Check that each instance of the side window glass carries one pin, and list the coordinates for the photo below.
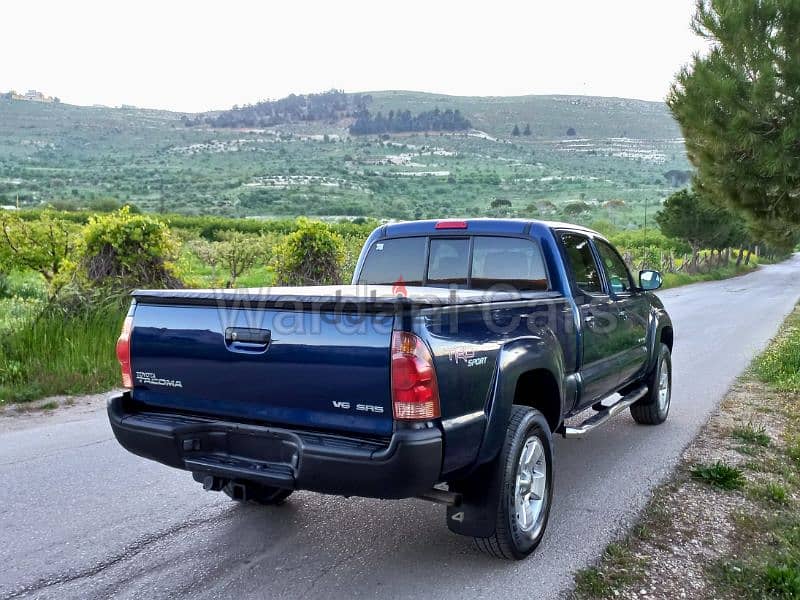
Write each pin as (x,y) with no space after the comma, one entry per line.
(619,278)
(582,262)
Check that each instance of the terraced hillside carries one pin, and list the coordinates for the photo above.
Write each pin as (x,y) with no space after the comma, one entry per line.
(585,158)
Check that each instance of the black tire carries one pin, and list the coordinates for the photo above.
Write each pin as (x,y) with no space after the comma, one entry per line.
(240,491)
(653,409)
(511,540)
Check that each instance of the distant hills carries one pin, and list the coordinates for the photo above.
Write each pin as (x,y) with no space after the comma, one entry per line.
(385,154)
(549,116)
(542,117)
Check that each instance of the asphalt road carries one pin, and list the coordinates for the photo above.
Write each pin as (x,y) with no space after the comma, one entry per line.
(81,518)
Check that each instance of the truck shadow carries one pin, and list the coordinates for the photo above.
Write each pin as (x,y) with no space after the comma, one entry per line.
(315,544)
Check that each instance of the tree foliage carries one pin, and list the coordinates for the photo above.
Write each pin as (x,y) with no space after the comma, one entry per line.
(42,245)
(739,109)
(687,216)
(403,121)
(326,106)
(312,255)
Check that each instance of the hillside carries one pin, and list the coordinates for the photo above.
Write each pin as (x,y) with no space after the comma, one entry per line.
(614,162)
(548,116)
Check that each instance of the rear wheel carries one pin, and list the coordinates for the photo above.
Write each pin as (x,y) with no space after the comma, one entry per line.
(252,492)
(527,487)
(654,407)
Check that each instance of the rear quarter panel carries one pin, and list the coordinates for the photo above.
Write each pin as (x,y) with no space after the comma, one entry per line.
(479,353)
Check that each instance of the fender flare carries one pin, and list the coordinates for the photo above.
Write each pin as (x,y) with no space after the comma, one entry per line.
(659,319)
(540,352)
(481,490)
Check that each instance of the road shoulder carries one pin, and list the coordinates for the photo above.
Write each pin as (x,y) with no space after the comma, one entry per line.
(727,523)
(48,411)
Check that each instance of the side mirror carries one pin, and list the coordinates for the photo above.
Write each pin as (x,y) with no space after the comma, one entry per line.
(650,280)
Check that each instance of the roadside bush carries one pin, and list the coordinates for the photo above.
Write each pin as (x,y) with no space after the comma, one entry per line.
(312,255)
(123,250)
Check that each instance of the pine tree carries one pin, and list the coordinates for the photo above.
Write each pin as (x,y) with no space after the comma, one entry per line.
(527,130)
(515,131)
(739,109)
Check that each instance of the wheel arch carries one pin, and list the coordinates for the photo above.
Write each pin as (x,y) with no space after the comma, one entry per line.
(667,336)
(660,331)
(539,389)
(523,366)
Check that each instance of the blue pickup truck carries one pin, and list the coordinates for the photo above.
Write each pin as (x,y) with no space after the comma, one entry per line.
(442,373)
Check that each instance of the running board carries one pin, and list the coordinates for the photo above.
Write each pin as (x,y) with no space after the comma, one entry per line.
(604,415)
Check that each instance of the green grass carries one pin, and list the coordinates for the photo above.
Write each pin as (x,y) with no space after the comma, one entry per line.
(772,492)
(620,568)
(54,354)
(750,434)
(779,365)
(719,475)
(793,450)
(771,574)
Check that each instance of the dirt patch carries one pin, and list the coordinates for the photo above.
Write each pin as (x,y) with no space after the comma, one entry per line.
(48,410)
(691,529)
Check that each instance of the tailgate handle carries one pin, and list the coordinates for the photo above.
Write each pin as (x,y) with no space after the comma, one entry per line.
(248,335)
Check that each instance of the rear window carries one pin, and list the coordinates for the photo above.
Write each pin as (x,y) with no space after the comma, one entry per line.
(399,259)
(480,262)
(448,264)
(510,261)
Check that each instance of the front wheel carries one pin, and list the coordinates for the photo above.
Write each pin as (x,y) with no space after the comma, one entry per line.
(527,487)
(654,407)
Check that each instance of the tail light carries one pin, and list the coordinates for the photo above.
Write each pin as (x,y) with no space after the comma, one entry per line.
(124,352)
(415,394)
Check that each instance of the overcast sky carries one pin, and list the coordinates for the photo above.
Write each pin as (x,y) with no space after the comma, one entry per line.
(195,56)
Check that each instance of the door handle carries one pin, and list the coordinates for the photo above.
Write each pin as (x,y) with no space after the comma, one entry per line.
(247,339)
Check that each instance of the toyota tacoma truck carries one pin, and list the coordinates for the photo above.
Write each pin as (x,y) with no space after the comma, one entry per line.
(442,373)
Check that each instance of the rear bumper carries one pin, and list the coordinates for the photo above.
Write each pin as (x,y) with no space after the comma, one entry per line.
(409,465)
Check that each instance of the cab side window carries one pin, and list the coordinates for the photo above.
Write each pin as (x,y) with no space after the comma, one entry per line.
(581,260)
(619,278)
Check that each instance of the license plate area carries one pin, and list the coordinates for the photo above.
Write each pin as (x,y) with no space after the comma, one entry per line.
(262,450)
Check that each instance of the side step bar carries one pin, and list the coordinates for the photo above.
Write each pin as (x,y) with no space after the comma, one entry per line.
(601,417)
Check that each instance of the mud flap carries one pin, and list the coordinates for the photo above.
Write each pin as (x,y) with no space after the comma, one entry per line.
(476,515)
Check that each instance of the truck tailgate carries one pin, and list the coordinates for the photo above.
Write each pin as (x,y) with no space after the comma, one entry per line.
(311,369)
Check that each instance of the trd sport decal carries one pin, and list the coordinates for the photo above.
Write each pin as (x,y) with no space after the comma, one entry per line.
(465,355)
